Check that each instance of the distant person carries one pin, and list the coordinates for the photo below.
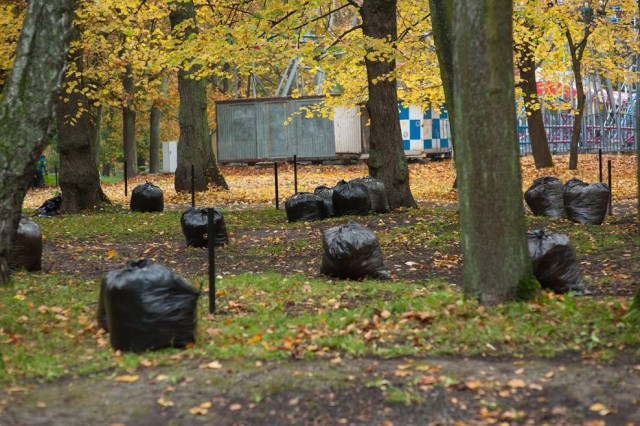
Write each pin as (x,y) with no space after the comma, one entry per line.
(41,170)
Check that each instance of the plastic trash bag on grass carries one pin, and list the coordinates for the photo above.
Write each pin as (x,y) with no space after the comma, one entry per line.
(326,194)
(377,194)
(305,207)
(350,198)
(27,247)
(545,197)
(352,251)
(194,227)
(147,197)
(50,208)
(146,306)
(584,203)
(555,263)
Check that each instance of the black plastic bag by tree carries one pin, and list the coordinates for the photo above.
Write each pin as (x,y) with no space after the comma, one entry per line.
(350,198)
(147,307)
(50,208)
(194,227)
(352,251)
(326,194)
(305,207)
(555,263)
(584,203)
(27,247)
(545,197)
(147,197)
(377,194)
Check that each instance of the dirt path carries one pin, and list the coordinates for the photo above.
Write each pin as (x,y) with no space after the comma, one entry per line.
(415,391)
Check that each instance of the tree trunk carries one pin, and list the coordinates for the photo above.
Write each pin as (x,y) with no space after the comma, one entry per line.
(577,121)
(387,161)
(77,144)
(194,144)
(539,144)
(496,263)
(27,107)
(154,140)
(129,126)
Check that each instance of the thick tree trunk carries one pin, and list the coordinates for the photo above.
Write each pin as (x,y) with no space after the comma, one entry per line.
(539,144)
(77,144)
(129,126)
(154,140)
(387,161)
(496,262)
(27,108)
(194,144)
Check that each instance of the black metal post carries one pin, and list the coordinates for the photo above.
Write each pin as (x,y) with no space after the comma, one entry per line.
(295,174)
(212,262)
(193,186)
(125,179)
(55,170)
(610,188)
(275,173)
(600,163)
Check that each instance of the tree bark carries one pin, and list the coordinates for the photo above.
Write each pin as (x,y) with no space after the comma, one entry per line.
(129,126)
(78,134)
(27,107)
(387,161)
(539,144)
(496,263)
(194,143)
(154,140)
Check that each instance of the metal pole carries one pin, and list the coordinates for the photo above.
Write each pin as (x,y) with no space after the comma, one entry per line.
(125,178)
(212,261)
(193,186)
(295,174)
(610,189)
(275,172)
(600,163)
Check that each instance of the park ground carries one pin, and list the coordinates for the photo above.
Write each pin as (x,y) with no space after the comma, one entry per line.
(370,372)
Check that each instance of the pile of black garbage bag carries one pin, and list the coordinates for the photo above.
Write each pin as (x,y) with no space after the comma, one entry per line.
(194,227)
(51,207)
(355,197)
(146,306)
(27,247)
(575,200)
(555,263)
(352,251)
(147,197)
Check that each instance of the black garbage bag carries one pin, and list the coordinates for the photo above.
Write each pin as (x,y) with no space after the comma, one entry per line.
(377,194)
(326,194)
(194,227)
(350,198)
(148,307)
(584,203)
(545,197)
(50,208)
(147,197)
(555,263)
(352,251)
(27,247)
(305,207)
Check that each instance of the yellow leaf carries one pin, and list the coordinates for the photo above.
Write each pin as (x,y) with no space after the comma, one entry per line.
(235,407)
(601,409)
(516,383)
(165,402)
(255,339)
(214,365)
(111,253)
(127,379)
(19,297)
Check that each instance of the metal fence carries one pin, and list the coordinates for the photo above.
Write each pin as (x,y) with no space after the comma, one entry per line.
(610,133)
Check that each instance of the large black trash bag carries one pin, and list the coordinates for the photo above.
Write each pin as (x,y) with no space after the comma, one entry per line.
(545,197)
(352,251)
(27,247)
(194,227)
(555,263)
(584,203)
(377,194)
(148,307)
(305,207)
(50,208)
(350,198)
(147,197)
(326,194)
